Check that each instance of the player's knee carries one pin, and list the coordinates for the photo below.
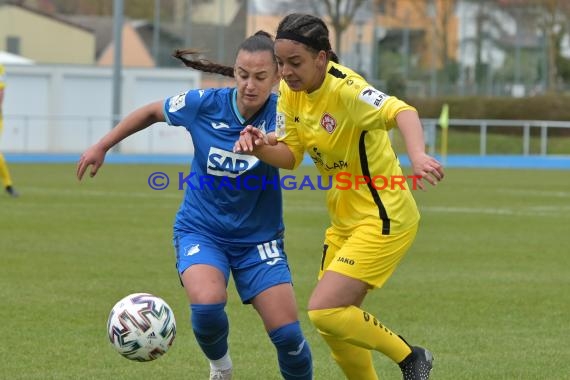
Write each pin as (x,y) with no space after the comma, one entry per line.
(293,351)
(211,328)
(208,319)
(289,335)
(326,320)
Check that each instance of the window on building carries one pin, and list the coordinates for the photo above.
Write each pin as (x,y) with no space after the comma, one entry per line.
(13,44)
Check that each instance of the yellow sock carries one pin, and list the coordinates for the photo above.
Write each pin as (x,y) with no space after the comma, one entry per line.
(355,362)
(354,325)
(4,172)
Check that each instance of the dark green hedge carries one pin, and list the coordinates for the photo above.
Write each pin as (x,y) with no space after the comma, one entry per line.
(547,107)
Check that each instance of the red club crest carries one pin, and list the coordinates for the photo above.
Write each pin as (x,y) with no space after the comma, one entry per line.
(328,123)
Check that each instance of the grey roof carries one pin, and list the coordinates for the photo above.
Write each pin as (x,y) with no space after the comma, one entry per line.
(219,43)
(55,18)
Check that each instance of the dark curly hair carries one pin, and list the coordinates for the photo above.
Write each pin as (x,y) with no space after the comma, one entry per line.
(313,30)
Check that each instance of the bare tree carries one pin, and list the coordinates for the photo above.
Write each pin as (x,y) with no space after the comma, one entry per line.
(489,32)
(443,17)
(441,14)
(341,13)
(553,19)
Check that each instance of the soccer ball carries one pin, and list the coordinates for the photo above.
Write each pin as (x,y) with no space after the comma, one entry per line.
(141,327)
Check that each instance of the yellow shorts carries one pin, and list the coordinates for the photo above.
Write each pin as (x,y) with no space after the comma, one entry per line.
(366,255)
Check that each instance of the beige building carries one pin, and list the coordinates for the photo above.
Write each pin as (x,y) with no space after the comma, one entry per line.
(44,38)
(133,50)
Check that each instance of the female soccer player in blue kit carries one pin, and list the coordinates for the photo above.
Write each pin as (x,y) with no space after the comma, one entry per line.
(221,226)
(330,112)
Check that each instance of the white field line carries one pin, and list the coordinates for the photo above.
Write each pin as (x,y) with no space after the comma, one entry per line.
(525,211)
(542,210)
(535,193)
(103,193)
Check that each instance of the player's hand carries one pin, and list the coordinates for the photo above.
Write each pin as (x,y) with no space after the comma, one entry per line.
(94,157)
(249,138)
(428,168)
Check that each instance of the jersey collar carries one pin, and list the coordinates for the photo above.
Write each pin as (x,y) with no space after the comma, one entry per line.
(238,115)
(235,108)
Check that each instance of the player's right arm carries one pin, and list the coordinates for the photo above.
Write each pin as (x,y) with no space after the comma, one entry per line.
(265,147)
(281,148)
(136,121)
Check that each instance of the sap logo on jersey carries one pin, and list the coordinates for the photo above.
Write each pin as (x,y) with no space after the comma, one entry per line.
(228,164)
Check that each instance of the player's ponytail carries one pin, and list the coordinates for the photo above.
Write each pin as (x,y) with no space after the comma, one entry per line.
(260,41)
(202,64)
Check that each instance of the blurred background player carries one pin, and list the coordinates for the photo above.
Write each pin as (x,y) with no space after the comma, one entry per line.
(330,112)
(223,227)
(4,172)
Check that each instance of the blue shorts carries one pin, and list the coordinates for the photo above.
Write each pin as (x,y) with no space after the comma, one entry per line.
(254,268)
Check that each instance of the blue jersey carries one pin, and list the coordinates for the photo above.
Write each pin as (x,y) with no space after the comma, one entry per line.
(233,198)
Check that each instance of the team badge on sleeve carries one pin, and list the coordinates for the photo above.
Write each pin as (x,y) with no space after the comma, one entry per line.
(328,123)
(177,102)
(372,96)
(280,125)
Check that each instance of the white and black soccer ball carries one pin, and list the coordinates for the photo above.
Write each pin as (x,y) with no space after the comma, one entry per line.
(141,327)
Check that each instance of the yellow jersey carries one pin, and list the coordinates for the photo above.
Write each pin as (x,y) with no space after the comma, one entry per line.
(2,79)
(2,85)
(343,126)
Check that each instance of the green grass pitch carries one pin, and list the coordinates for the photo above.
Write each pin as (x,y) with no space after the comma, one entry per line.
(486,285)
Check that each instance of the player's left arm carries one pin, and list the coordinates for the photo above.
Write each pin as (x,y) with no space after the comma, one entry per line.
(372,109)
(423,164)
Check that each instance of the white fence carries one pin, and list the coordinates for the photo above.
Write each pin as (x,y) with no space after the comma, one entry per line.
(66,108)
(71,134)
(483,125)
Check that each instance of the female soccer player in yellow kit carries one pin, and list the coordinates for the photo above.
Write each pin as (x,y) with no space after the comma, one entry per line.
(333,114)
(4,172)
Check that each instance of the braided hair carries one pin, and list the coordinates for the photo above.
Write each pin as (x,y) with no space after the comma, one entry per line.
(309,30)
(260,41)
